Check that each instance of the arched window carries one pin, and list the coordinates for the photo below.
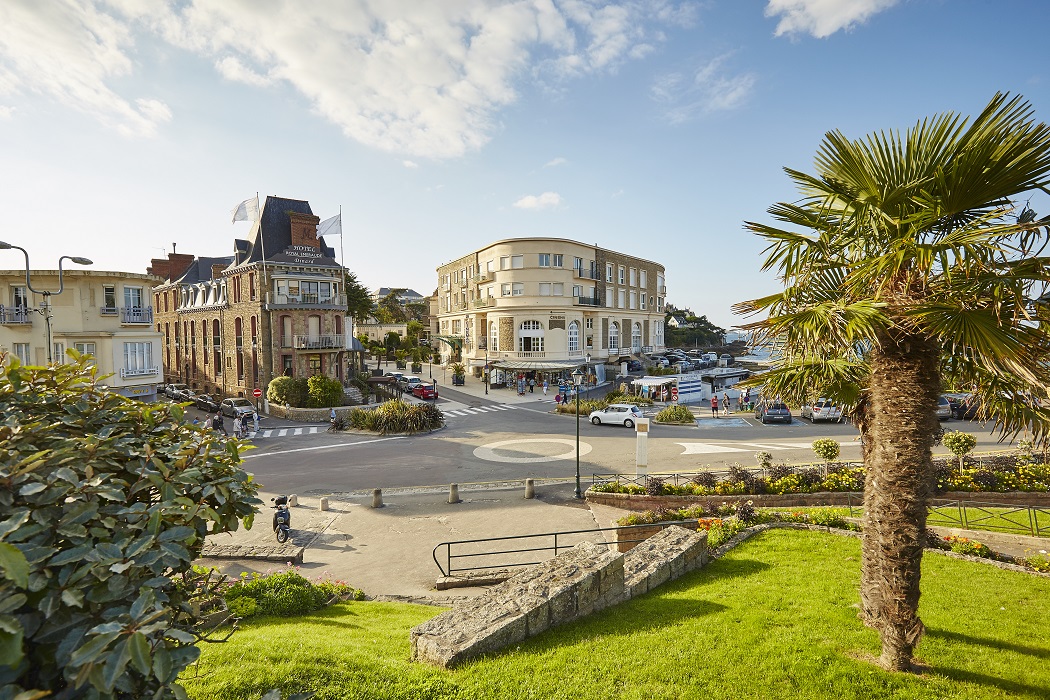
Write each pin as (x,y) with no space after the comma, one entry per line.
(530,337)
(614,336)
(636,338)
(255,329)
(238,332)
(574,337)
(493,336)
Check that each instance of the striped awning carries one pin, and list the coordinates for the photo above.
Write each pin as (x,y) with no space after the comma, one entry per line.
(654,381)
(544,365)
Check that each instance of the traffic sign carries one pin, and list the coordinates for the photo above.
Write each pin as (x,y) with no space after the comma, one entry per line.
(674,394)
(257,393)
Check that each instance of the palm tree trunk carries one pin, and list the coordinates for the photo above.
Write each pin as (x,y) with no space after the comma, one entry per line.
(900,420)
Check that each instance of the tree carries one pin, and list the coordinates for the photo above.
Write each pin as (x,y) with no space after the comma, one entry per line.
(359,305)
(391,303)
(909,264)
(106,502)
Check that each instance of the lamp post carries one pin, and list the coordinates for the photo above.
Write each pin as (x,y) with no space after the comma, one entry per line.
(577,379)
(46,311)
(485,373)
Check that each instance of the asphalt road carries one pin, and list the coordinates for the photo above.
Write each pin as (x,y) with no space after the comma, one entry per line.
(491,441)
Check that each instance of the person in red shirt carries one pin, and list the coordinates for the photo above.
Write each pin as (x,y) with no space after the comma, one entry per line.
(714,405)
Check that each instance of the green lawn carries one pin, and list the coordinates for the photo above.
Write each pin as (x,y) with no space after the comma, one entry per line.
(775,618)
(1008,520)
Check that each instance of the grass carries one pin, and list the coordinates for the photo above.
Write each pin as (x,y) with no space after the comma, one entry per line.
(775,618)
(1008,520)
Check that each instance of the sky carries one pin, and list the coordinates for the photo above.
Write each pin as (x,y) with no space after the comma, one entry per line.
(654,128)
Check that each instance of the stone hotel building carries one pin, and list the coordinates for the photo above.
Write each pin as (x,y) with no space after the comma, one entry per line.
(275,307)
(550,304)
(103,314)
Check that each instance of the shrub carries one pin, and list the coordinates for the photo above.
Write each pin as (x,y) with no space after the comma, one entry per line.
(293,391)
(586,406)
(764,459)
(778,471)
(397,416)
(675,414)
(705,480)
(284,593)
(654,486)
(626,397)
(964,545)
(826,448)
(106,503)
(324,392)
(959,443)
(1039,561)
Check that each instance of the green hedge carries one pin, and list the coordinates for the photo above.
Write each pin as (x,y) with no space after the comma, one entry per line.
(397,416)
(676,414)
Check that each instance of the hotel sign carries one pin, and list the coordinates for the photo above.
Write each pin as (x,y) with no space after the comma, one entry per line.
(304,255)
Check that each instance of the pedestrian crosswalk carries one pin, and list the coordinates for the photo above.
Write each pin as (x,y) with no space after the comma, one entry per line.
(285,432)
(473,410)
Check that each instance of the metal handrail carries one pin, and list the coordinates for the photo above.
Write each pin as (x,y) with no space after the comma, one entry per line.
(447,569)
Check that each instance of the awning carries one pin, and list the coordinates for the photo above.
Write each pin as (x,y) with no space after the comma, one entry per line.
(529,365)
(355,345)
(654,381)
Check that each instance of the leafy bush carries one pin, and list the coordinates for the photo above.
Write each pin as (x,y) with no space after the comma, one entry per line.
(324,392)
(705,480)
(626,397)
(1039,561)
(107,502)
(778,471)
(586,406)
(284,594)
(676,414)
(764,459)
(293,391)
(397,416)
(959,443)
(826,448)
(654,486)
(964,545)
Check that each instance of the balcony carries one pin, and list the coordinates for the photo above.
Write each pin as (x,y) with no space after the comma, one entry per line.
(139,372)
(107,311)
(15,314)
(589,301)
(662,289)
(318,342)
(484,277)
(306,301)
(136,314)
(586,274)
(530,354)
(485,303)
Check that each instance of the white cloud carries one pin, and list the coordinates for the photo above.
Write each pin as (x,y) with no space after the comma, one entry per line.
(711,89)
(68,51)
(6,111)
(546,200)
(409,164)
(822,18)
(555,162)
(417,78)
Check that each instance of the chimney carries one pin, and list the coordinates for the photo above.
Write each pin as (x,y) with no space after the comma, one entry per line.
(158,267)
(216,271)
(178,264)
(304,230)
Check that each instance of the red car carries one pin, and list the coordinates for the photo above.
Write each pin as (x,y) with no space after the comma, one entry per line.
(425,391)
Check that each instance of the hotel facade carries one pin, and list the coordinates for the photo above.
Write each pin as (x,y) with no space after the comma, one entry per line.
(277,306)
(103,314)
(545,304)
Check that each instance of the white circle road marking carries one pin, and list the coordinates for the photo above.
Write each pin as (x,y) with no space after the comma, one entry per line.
(488,452)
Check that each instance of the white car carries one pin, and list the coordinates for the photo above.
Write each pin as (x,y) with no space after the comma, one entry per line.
(660,362)
(624,414)
(409,382)
(821,409)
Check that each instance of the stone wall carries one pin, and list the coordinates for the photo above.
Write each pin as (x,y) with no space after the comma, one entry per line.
(586,579)
(641,502)
(309,415)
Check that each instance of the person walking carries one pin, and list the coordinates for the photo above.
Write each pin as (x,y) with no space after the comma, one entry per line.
(532,386)
(245,422)
(726,403)
(219,424)
(714,405)
(255,421)
(544,387)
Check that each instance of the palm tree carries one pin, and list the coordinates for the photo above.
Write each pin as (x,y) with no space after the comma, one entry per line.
(916,267)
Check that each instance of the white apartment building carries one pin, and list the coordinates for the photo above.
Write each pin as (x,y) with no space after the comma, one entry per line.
(550,304)
(104,314)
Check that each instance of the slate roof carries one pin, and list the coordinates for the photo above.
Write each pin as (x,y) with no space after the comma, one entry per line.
(200,269)
(407,293)
(273,231)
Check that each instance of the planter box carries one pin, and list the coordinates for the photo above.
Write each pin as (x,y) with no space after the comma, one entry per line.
(642,502)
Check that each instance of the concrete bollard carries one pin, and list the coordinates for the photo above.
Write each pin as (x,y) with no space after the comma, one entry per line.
(453,493)
(377,498)
(293,500)
(530,489)
(324,503)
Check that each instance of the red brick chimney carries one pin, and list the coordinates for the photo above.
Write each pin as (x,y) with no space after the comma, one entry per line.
(158,267)
(178,263)
(216,271)
(304,229)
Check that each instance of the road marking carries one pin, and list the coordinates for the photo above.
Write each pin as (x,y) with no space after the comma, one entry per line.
(298,431)
(454,413)
(324,447)
(282,432)
(314,429)
(488,452)
(701,448)
(500,408)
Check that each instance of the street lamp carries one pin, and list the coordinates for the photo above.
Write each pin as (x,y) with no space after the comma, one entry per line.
(46,311)
(485,372)
(577,380)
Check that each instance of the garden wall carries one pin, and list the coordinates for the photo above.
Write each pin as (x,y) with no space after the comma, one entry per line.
(640,502)
(309,415)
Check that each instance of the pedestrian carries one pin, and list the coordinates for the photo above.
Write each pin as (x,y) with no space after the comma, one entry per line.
(219,423)
(544,387)
(331,415)
(245,420)
(196,421)
(714,405)
(209,422)
(236,427)
(532,386)
(255,421)
(725,403)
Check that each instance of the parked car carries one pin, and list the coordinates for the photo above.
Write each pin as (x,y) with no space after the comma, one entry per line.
(425,391)
(206,402)
(944,408)
(773,412)
(236,407)
(396,375)
(623,413)
(821,409)
(727,358)
(634,366)
(966,409)
(174,391)
(661,362)
(409,382)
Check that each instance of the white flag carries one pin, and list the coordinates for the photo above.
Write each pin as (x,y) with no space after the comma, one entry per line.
(248,210)
(330,227)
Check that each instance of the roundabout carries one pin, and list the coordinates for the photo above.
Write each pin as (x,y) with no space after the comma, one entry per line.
(529,450)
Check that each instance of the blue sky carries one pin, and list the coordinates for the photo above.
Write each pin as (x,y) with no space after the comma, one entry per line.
(652,127)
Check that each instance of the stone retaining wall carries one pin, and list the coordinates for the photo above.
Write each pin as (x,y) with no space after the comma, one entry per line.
(642,502)
(309,415)
(586,579)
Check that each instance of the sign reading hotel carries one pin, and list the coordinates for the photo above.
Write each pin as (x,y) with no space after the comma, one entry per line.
(304,255)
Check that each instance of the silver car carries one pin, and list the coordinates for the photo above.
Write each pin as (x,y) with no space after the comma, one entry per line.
(821,409)
(625,414)
(944,408)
